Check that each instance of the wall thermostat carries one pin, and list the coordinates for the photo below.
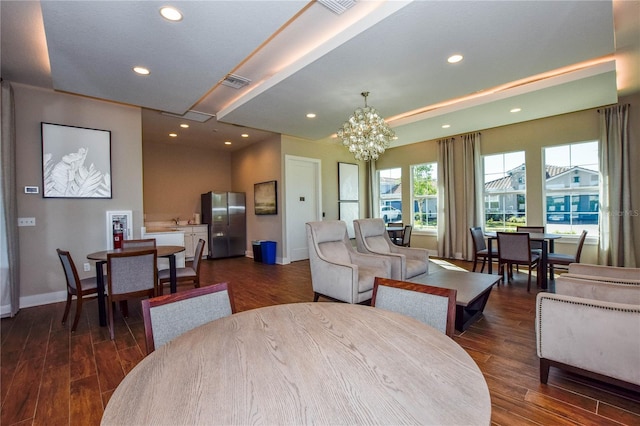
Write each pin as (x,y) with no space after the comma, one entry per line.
(31,189)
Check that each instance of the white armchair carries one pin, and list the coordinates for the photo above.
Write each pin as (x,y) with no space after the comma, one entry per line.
(372,238)
(590,326)
(337,270)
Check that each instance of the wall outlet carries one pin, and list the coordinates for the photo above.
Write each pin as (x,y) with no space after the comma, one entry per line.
(26,221)
(87,266)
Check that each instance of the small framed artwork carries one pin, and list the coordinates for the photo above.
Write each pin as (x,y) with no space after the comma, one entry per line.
(76,162)
(349,211)
(265,198)
(348,182)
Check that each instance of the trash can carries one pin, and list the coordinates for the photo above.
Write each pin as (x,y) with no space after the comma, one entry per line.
(257,251)
(268,252)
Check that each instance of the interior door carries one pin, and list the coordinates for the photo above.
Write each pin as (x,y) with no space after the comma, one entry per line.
(303,202)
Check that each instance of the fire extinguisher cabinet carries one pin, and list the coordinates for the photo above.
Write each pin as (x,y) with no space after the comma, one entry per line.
(119,228)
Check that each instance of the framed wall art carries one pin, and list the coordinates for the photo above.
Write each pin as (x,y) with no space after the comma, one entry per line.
(76,162)
(265,198)
(348,182)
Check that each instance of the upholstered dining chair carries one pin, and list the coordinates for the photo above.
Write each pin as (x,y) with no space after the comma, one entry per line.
(372,238)
(143,243)
(555,259)
(514,248)
(167,317)
(434,306)
(130,275)
(535,245)
(338,271)
(480,250)
(188,274)
(80,288)
(406,236)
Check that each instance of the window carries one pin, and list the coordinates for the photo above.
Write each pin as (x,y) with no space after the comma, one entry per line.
(504,191)
(572,191)
(424,190)
(390,182)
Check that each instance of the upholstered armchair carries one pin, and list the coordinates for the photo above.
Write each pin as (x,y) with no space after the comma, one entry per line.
(590,325)
(338,271)
(372,238)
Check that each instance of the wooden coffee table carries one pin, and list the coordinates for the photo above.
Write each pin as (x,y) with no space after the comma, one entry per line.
(473,292)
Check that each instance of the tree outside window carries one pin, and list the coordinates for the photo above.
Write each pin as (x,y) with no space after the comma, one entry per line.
(424,184)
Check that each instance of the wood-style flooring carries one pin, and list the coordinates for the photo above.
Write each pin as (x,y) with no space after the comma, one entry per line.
(54,377)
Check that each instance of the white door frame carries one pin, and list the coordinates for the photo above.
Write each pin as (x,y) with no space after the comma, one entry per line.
(318,195)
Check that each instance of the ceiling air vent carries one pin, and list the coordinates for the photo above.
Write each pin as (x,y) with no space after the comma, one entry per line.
(192,115)
(235,81)
(337,6)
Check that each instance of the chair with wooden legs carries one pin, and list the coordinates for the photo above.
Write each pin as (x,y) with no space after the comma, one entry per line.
(514,248)
(75,287)
(144,243)
(434,306)
(554,259)
(131,274)
(480,249)
(188,274)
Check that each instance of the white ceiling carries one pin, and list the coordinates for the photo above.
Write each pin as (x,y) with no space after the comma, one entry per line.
(545,57)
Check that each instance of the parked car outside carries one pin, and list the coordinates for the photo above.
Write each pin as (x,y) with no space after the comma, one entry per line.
(390,214)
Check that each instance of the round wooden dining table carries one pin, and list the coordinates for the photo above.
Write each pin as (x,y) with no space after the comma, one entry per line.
(101,258)
(320,363)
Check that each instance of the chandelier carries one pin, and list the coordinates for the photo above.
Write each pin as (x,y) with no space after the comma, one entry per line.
(365,133)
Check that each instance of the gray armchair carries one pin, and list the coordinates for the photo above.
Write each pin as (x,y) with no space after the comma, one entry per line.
(590,325)
(372,238)
(337,270)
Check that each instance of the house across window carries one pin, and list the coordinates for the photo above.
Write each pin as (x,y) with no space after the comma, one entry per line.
(505,191)
(390,185)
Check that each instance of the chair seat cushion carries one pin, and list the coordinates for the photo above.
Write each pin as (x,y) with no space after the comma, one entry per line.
(563,259)
(367,275)
(187,272)
(415,268)
(485,252)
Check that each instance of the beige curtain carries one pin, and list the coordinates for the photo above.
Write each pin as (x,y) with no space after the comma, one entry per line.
(372,189)
(473,180)
(9,249)
(446,199)
(616,213)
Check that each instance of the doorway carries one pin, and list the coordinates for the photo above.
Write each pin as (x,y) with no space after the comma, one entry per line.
(303,202)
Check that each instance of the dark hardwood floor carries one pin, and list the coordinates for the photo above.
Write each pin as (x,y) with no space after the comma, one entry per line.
(52,376)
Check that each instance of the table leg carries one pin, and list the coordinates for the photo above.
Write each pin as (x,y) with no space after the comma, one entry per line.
(551,250)
(543,261)
(490,260)
(102,315)
(172,273)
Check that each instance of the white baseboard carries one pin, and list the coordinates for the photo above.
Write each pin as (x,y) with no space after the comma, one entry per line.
(35,300)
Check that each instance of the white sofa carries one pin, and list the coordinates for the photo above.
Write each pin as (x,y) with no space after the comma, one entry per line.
(591,325)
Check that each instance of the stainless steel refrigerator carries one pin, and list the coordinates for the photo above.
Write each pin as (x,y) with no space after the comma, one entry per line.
(225,213)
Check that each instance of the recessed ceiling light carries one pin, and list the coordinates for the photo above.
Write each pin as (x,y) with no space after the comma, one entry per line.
(227,142)
(244,135)
(454,59)
(446,126)
(171,13)
(184,125)
(141,70)
(173,135)
(516,110)
(311,115)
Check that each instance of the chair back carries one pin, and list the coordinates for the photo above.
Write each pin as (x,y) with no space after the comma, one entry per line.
(406,235)
(583,237)
(514,247)
(70,271)
(434,306)
(197,256)
(372,235)
(534,229)
(144,243)
(167,317)
(477,235)
(132,271)
(328,239)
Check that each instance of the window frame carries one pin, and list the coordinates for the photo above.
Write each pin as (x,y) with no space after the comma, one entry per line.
(424,229)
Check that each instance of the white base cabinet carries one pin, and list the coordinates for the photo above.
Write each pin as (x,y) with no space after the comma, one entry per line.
(193,233)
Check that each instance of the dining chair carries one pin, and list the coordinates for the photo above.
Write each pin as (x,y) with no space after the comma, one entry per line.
(75,287)
(555,259)
(514,248)
(406,236)
(188,274)
(480,249)
(167,317)
(434,306)
(144,243)
(535,245)
(130,274)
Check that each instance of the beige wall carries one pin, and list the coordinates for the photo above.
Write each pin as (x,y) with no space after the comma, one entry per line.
(175,176)
(77,225)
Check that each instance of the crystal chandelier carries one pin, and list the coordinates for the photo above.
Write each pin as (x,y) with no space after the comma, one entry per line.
(366,133)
